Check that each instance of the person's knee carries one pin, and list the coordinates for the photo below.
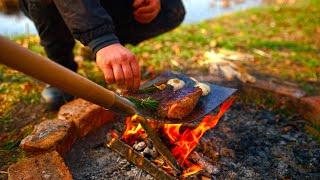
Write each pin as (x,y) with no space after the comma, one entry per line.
(180,11)
(174,10)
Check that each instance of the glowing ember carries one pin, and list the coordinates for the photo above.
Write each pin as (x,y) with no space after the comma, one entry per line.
(114,134)
(194,168)
(183,143)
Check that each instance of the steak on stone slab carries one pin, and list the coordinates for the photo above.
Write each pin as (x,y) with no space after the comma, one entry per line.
(173,104)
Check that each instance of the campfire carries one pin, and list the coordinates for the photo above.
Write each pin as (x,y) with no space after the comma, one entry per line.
(140,145)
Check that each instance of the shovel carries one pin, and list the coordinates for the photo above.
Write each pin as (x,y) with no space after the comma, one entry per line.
(30,63)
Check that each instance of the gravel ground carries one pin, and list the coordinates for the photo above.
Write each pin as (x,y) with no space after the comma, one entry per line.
(260,145)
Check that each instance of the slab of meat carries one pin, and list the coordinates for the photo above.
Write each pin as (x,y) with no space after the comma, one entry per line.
(180,103)
(173,104)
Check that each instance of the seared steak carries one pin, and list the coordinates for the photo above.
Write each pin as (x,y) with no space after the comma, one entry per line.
(179,104)
(173,104)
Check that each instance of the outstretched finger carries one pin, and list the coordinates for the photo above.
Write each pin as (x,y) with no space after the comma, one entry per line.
(136,74)
(118,74)
(128,77)
(108,74)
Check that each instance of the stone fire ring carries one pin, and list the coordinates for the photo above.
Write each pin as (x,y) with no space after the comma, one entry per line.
(52,139)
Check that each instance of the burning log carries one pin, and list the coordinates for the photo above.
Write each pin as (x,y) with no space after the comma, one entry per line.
(136,158)
(162,149)
(159,161)
(208,167)
(143,138)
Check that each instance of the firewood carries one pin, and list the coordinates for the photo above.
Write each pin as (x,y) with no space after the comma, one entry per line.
(143,136)
(211,169)
(136,158)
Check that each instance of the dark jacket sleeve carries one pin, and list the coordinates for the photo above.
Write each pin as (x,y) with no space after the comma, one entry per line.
(88,22)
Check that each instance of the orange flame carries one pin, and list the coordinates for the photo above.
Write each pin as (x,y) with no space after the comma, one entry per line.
(183,143)
(132,131)
(114,134)
(194,168)
(187,141)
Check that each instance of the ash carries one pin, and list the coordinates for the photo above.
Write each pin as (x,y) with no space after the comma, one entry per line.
(248,143)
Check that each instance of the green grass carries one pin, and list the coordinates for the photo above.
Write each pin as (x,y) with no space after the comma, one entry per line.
(14,88)
(289,33)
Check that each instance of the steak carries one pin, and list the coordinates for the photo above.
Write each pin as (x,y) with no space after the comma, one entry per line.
(180,103)
(173,104)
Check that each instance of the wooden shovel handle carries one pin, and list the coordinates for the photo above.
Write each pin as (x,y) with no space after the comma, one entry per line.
(30,63)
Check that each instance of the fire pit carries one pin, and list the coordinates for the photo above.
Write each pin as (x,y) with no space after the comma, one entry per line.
(181,139)
(146,143)
(246,143)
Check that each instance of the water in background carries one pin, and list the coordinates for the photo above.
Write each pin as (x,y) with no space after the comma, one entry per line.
(197,10)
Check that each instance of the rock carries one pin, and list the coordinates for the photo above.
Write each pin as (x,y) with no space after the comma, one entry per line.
(310,109)
(288,138)
(282,93)
(147,151)
(281,88)
(139,145)
(85,115)
(47,166)
(50,135)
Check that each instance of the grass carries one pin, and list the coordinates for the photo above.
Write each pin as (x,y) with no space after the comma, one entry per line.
(288,34)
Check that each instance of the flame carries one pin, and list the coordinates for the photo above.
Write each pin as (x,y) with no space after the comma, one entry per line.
(194,168)
(157,161)
(114,134)
(132,131)
(187,141)
(184,143)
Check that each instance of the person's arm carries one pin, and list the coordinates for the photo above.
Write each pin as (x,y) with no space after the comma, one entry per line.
(86,19)
(90,23)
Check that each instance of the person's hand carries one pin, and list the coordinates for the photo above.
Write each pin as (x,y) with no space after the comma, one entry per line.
(146,10)
(119,65)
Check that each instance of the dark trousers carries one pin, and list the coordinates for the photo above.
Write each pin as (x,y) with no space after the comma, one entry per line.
(59,43)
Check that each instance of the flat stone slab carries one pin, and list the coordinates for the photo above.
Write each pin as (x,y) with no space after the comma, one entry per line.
(50,135)
(310,109)
(281,94)
(47,166)
(86,116)
(290,90)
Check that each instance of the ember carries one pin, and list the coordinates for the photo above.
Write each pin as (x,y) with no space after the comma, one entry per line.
(181,144)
